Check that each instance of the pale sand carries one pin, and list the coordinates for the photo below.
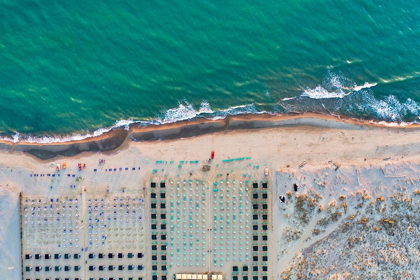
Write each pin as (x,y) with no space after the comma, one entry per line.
(362,147)
(359,222)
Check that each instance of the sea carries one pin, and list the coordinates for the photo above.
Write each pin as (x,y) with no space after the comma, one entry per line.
(75,69)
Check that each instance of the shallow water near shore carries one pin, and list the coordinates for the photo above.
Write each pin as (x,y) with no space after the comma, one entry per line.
(81,68)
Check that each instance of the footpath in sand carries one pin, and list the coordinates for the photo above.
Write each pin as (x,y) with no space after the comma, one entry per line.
(354,215)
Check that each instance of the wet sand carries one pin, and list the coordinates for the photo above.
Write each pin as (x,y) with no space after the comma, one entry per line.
(118,137)
(280,144)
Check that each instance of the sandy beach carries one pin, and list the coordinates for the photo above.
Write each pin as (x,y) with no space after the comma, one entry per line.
(357,196)
(115,138)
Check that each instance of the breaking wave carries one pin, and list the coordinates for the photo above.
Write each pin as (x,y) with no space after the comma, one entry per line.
(335,86)
(336,95)
(339,95)
(184,111)
(17,137)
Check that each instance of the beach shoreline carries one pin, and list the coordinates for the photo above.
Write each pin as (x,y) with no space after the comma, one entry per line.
(117,137)
(324,157)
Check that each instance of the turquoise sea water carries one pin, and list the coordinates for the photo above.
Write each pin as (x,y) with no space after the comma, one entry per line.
(73,67)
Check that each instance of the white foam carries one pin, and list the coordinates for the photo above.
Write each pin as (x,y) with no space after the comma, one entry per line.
(335,86)
(389,109)
(412,106)
(365,85)
(321,93)
(184,111)
(125,123)
(205,108)
(17,137)
(242,109)
(288,98)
